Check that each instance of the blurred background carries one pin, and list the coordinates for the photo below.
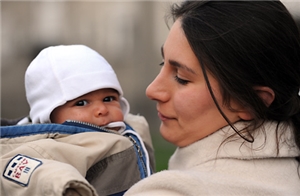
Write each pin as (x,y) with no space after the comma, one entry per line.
(128,34)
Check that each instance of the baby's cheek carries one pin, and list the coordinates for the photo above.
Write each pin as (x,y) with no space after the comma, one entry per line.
(119,116)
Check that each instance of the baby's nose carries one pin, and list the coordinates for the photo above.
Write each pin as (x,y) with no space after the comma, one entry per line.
(100,110)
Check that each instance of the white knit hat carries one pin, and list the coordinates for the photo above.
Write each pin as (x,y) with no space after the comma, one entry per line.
(62,73)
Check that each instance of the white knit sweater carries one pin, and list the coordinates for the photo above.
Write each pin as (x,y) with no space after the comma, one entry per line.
(235,168)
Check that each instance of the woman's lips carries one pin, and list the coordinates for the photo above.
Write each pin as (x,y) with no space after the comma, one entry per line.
(162,117)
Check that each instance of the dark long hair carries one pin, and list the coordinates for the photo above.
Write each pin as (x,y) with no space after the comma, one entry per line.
(246,44)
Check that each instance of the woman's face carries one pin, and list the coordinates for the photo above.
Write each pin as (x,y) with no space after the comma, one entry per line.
(184,104)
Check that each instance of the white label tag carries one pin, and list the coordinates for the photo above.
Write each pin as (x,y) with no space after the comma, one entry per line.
(20,169)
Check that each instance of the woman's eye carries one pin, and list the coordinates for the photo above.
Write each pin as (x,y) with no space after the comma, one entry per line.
(162,63)
(109,99)
(181,81)
(81,103)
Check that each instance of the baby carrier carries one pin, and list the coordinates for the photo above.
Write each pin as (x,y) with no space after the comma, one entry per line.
(52,159)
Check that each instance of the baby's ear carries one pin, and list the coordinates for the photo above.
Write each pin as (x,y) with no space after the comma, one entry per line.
(266,94)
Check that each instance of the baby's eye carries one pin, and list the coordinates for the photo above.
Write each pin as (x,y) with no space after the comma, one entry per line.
(81,103)
(109,98)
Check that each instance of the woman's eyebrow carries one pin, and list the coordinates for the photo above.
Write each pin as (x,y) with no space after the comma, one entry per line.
(181,66)
(177,64)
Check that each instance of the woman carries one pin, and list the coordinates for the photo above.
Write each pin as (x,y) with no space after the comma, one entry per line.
(227,96)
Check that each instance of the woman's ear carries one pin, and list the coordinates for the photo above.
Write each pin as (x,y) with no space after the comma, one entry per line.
(245,115)
(266,94)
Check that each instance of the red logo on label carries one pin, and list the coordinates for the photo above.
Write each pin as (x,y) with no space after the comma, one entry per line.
(19,168)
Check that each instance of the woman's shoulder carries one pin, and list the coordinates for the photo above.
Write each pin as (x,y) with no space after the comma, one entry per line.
(220,181)
(168,183)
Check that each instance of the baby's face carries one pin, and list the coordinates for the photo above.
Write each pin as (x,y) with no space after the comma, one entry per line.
(99,107)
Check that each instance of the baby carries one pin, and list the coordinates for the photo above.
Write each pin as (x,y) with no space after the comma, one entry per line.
(74,83)
(76,130)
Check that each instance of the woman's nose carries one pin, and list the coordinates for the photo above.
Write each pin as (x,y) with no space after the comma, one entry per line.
(157,89)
